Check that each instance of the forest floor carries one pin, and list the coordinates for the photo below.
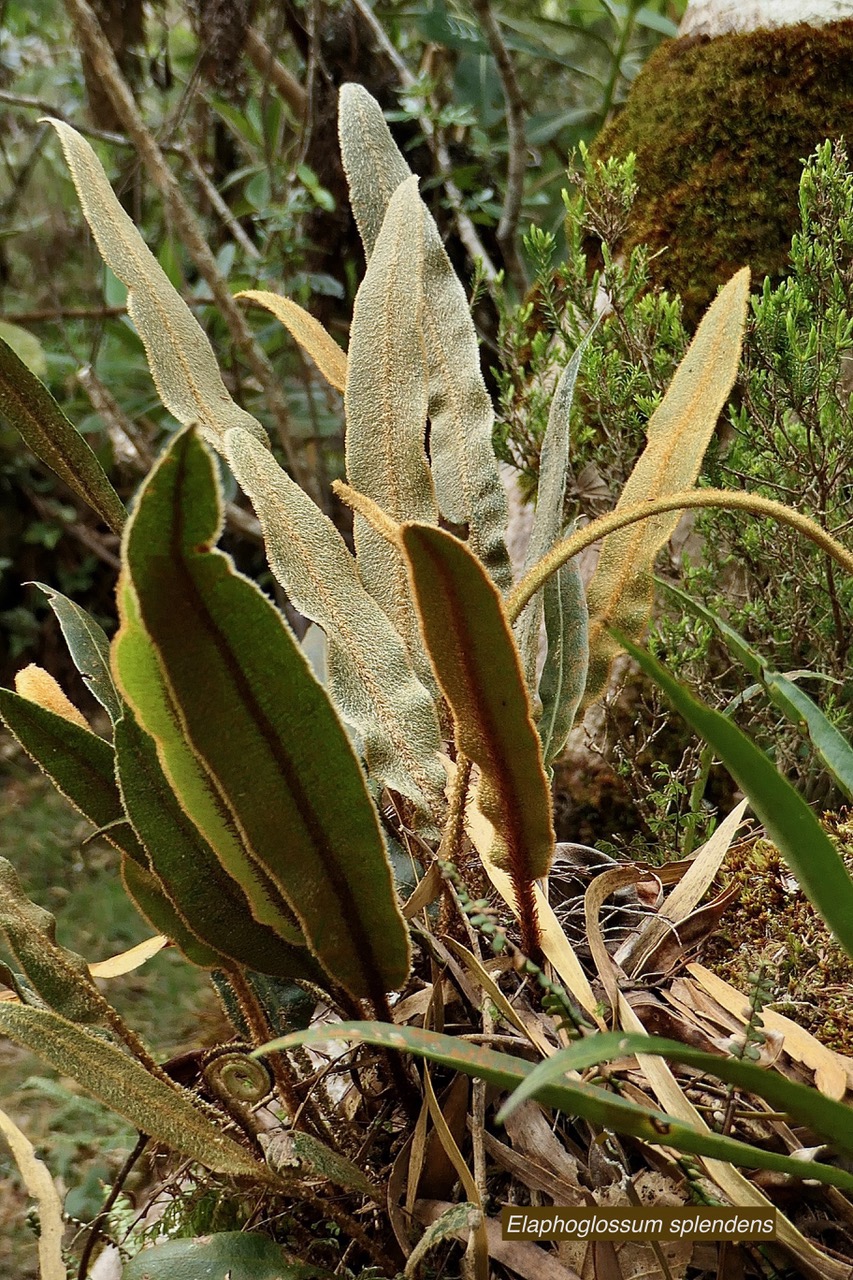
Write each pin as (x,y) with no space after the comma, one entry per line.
(167,1002)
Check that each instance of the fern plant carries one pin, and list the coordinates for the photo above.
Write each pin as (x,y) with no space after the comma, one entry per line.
(254,807)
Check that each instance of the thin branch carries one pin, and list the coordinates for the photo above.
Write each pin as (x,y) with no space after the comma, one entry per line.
(516,145)
(186,225)
(264,61)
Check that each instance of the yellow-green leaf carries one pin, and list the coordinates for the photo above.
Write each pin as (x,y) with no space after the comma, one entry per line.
(263,727)
(140,677)
(386,407)
(371,678)
(151,1105)
(622,589)
(308,332)
(477,664)
(464,468)
(208,900)
(180,357)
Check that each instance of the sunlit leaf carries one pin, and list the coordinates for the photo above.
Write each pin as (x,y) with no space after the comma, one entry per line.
(827,1118)
(208,900)
(180,357)
(621,592)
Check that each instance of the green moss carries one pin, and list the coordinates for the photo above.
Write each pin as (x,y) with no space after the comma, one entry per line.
(720,128)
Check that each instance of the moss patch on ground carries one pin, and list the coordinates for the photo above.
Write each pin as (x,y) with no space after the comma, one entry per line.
(773,925)
(720,128)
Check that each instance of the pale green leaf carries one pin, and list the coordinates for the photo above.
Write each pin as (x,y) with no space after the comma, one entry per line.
(621,592)
(180,357)
(165,1112)
(464,468)
(371,679)
(386,408)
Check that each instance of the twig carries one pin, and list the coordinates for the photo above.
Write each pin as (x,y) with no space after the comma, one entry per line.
(467,231)
(516,145)
(64,313)
(115,1191)
(264,60)
(97,49)
(219,205)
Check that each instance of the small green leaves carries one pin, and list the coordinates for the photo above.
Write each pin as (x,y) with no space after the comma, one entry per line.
(788,820)
(150,1104)
(470,645)
(262,728)
(182,363)
(26,403)
(621,591)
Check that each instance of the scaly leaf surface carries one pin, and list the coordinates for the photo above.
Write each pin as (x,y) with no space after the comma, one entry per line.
(371,679)
(105,1072)
(180,357)
(386,408)
(308,332)
(464,467)
(621,592)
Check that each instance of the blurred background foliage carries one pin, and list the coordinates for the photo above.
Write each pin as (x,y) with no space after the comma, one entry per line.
(241,98)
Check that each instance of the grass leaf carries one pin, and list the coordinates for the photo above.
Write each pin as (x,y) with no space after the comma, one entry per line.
(787,818)
(590,1102)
